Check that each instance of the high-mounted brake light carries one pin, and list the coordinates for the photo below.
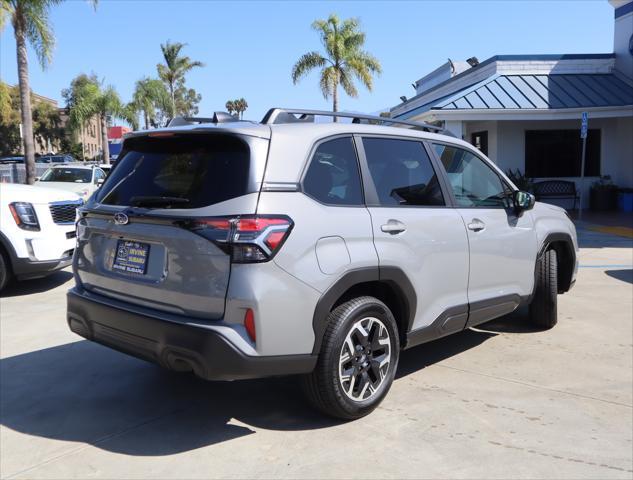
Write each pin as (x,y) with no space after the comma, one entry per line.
(248,238)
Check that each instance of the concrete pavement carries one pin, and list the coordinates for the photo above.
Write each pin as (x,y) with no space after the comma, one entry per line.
(500,401)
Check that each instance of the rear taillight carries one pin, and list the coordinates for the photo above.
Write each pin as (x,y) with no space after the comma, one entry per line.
(248,238)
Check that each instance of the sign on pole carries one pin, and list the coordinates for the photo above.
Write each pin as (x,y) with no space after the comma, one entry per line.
(584,125)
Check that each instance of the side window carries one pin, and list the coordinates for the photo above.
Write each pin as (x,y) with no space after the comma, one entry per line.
(402,172)
(473,182)
(333,176)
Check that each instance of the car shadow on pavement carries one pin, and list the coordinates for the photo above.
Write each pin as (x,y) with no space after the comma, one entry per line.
(84,392)
(39,285)
(623,275)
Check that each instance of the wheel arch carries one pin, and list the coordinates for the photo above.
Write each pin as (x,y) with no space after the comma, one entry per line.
(388,284)
(566,257)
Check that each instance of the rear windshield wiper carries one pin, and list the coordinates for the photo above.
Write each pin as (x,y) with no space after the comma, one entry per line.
(157,201)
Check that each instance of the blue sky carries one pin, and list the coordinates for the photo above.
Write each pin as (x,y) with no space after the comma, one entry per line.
(250,47)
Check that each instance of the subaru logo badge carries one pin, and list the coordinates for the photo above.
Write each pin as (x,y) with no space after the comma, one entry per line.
(121,218)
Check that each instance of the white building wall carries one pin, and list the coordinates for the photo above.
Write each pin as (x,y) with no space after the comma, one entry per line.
(616,156)
(491,128)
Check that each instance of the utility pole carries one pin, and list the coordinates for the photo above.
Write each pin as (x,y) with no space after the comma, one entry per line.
(583,134)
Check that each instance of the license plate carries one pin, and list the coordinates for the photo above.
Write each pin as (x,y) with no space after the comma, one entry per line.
(131,257)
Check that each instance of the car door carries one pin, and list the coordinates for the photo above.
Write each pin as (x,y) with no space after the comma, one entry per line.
(503,245)
(416,232)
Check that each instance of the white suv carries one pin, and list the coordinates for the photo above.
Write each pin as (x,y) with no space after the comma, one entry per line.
(238,250)
(37,231)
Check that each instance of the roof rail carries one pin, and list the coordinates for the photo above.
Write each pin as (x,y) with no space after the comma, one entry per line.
(287,115)
(218,117)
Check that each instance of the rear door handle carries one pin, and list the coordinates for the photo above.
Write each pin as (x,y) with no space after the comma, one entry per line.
(476,225)
(393,227)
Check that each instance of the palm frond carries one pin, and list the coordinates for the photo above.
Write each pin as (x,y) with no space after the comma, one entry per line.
(306,63)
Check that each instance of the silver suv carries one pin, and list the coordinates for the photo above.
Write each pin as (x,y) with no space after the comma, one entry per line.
(240,250)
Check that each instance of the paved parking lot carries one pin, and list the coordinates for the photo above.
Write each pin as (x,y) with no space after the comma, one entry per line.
(501,401)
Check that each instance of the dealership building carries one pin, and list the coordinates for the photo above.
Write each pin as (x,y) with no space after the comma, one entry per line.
(524,111)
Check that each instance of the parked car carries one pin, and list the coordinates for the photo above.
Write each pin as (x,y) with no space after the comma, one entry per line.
(80,179)
(239,250)
(7,160)
(37,231)
(55,159)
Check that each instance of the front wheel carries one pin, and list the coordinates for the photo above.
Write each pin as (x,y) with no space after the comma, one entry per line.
(5,271)
(544,306)
(358,359)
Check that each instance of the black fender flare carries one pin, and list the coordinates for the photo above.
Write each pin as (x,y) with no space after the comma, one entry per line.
(394,277)
(565,239)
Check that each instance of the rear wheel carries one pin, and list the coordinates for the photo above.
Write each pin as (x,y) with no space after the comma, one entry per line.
(358,359)
(544,306)
(5,271)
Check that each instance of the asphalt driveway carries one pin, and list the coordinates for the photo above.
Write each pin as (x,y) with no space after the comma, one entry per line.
(500,401)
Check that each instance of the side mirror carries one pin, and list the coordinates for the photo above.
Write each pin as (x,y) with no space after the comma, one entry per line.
(523,201)
(37,179)
(100,182)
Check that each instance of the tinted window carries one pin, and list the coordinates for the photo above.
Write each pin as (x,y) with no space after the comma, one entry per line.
(558,153)
(199,170)
(333,177)
(402,172)
(473,182)
(73,175)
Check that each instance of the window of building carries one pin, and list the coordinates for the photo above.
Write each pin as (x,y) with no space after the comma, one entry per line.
(557,153)
(402,172)
(480,141)
(473,182)
(333,177)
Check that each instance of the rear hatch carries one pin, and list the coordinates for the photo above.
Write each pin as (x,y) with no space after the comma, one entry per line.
(134,243)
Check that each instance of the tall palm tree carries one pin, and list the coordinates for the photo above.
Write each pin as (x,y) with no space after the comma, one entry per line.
(343,61)
(150,95)
(105,103)
(240,107)
(30,21)
(174,69)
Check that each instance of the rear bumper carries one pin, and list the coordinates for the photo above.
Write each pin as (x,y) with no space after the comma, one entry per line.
(25,269)
(176,346)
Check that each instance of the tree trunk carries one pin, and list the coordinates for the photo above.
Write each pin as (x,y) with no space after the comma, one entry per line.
(146,119)
(25,102)
(104,139)
(173,100)
(335,97)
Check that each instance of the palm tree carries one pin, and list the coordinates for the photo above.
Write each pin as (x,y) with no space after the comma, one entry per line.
(230,107)
(240,107)
(30,22)
(105,103)
(174,69)
(344,59)
(150,95)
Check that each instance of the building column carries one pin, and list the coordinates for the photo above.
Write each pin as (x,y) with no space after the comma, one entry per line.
(456,127)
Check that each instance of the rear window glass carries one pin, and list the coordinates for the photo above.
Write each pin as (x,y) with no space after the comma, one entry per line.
(73,175)
(189,171)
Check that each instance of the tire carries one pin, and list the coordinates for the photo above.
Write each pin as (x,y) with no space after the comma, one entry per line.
(352,388)
(543,309)
(5,271)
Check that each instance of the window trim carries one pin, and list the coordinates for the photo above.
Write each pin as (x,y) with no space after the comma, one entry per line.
(371,194)
(486,161)
(306,167)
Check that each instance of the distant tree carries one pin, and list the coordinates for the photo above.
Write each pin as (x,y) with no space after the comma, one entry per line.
(187,100)
(237,107)
(30,21)
(343,61)
(173,72)
(47,126)
(90,99)
(230,107)
(150,97)
(240,107)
